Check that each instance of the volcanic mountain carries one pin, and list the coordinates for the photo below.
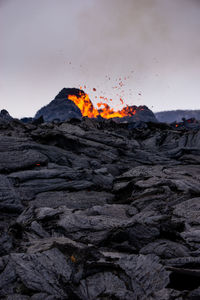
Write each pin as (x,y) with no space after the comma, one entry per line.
(74,103)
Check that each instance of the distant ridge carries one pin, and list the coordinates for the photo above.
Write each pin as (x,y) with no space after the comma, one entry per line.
(177,115)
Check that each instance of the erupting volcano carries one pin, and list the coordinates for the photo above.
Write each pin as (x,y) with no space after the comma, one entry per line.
(75,103)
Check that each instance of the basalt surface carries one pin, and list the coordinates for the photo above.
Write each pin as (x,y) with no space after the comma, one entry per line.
(99,210)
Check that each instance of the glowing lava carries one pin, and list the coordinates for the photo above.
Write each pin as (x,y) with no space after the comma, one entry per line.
(84,104)
(88,110)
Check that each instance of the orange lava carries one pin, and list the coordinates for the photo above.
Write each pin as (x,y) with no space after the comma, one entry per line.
(104,110)
(84,104)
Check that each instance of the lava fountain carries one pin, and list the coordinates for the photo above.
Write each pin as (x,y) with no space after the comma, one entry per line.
(87,109)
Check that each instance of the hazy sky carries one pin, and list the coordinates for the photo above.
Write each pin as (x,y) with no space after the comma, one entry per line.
(50,44)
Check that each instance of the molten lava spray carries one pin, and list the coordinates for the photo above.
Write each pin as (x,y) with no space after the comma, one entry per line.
(88,110)
(84,104)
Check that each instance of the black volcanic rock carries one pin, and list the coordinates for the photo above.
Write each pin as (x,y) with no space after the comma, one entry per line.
(97,209)
(61,108)
(142,114)
(65,92)
(5,116)
(27,120)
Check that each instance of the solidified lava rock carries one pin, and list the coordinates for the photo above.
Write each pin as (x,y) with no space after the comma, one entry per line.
(61,108)
(4,116)
(99,210)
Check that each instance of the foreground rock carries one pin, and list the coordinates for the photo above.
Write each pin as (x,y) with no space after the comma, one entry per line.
(99,210)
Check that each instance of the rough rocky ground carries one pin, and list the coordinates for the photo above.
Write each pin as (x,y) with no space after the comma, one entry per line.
(96,210)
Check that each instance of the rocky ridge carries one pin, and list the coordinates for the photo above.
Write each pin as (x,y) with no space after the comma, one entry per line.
(94,209)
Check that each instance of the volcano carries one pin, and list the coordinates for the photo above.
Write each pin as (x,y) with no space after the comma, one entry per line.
(75,103)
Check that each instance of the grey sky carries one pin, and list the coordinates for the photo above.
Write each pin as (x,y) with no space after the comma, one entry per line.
(50,44)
